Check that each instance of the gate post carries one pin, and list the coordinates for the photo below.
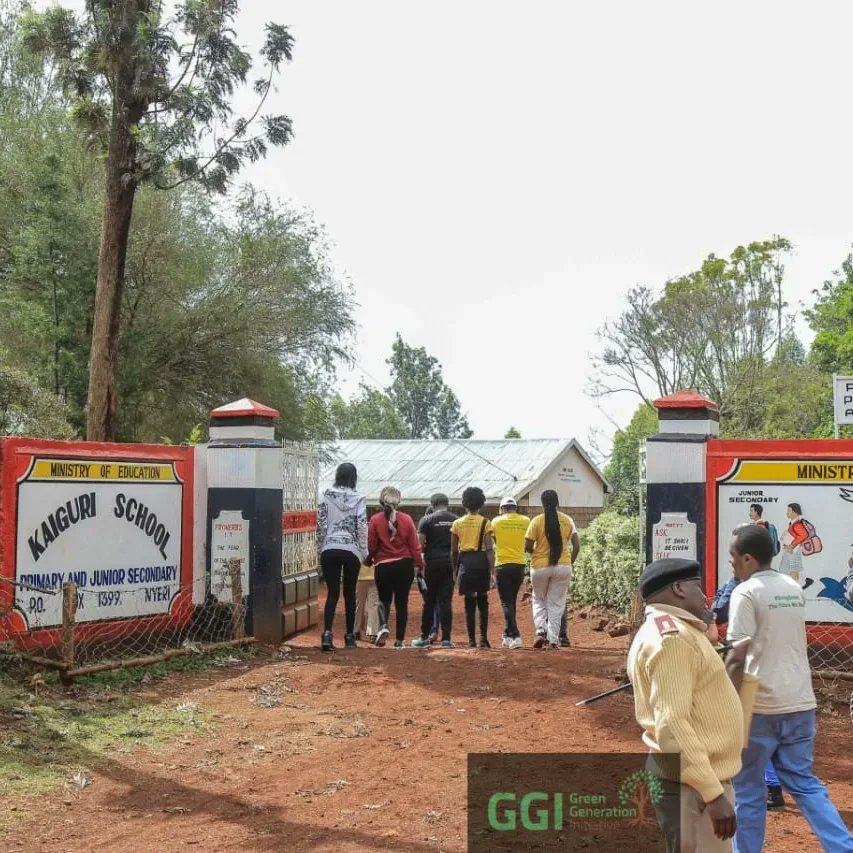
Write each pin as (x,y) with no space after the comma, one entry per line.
(244,507)
(675,479)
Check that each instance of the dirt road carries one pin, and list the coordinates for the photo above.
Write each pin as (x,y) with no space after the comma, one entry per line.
(364,750)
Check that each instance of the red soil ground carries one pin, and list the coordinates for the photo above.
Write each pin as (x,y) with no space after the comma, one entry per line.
(366,749)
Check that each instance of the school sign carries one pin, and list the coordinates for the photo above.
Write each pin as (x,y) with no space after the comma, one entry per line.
(116,521)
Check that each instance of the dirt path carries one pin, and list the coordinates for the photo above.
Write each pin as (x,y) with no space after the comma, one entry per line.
(364,750)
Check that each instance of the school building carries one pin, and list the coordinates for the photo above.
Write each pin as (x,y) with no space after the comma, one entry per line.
(520,468)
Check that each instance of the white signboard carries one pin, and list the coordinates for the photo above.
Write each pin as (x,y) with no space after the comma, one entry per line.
(567,474)
(815,535)
(674,536)
(229,541)
(843,399)
(111,527)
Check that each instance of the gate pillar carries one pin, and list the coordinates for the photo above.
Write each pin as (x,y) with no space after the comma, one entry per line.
(244,509)
(675,477)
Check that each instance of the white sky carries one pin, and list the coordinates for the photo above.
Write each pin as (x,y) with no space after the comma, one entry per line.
(495,176)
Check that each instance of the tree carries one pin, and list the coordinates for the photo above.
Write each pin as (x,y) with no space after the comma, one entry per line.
(223,305)
(371,414)
(623,470)
(831,319)
(712,330)
(152,92)
(425,403)
(28,409)
(512,432)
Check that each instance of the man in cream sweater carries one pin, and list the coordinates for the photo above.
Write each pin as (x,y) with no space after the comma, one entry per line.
(686,704)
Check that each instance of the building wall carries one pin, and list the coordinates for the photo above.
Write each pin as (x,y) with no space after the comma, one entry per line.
(574,480)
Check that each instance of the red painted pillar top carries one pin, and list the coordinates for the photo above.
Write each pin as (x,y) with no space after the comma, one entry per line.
(688,412)
(242,420)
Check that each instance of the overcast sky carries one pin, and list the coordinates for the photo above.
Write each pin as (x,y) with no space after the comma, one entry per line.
(495,176)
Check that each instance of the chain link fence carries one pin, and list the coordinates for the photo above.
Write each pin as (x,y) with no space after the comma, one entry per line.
(65,628)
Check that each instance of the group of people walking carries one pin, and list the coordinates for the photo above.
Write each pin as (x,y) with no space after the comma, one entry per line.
(443,552)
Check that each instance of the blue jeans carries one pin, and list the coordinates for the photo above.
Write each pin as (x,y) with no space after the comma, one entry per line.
(770,777)
(787,739)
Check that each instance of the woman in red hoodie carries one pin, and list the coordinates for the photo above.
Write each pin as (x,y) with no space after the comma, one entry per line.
(393,547)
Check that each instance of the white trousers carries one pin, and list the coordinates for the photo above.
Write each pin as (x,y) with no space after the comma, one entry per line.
(550,588)
(366,609)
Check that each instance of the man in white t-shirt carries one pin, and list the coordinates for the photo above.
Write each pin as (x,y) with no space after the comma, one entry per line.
(769,607)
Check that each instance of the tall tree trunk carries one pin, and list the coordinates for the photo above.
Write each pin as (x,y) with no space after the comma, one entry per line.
(102,406)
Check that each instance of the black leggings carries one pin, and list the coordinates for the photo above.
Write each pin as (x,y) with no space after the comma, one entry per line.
(334,562)
(394,580)
(473,603)
(509,577)
(439,593)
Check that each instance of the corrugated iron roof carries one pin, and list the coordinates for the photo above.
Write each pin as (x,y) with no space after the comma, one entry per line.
(419,468)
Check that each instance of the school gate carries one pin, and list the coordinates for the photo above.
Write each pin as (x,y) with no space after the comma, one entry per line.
(699,488)
(117,554)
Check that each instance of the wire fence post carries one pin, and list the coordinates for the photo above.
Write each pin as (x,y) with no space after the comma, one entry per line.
(234,565)
(69,614)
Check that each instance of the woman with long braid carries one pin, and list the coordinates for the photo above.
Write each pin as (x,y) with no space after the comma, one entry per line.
(393,546)
(547,541)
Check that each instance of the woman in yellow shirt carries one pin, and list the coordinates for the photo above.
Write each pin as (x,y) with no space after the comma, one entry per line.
(547,541)
(472,556)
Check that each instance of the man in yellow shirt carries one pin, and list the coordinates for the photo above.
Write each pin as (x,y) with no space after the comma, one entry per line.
(508,530)
(686,704)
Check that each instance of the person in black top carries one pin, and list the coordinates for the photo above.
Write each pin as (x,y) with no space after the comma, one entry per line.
(434,533)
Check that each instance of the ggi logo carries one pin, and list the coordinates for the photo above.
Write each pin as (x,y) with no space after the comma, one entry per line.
(504,816)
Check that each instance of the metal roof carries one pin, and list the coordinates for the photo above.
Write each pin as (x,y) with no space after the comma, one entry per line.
(421,467)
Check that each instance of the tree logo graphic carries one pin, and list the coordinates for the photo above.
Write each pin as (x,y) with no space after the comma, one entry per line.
(643,790)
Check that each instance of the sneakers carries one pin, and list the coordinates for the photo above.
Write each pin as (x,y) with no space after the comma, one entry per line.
(564,642)
(539,642)
(433,637)
(349,641)
(775,800)
(515,643)
(382,636)
(421,642)
(506,643)
(472,643)
(485,644)
(448,644)
(399,644)
(553,645)
(326,642)
(357,635)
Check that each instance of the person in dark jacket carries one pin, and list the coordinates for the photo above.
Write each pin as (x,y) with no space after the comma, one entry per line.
(434,533)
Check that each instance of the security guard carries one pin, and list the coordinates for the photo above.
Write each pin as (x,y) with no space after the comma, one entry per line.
(686,704)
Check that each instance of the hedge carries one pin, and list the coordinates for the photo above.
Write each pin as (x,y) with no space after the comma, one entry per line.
(609,563)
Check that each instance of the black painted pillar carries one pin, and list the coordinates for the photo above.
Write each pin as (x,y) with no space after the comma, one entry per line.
(675,479)
(244,466)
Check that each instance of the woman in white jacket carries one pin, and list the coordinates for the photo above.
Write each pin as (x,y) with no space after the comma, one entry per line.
(342,538)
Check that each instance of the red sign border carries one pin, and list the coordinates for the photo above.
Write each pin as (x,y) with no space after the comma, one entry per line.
(16,455)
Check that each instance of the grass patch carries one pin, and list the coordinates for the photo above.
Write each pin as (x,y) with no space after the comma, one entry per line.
(49,734)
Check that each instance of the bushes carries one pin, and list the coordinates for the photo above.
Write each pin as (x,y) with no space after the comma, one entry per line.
(609,563)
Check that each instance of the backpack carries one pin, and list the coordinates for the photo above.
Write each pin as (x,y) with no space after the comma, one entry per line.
(774,535)
(812,545)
